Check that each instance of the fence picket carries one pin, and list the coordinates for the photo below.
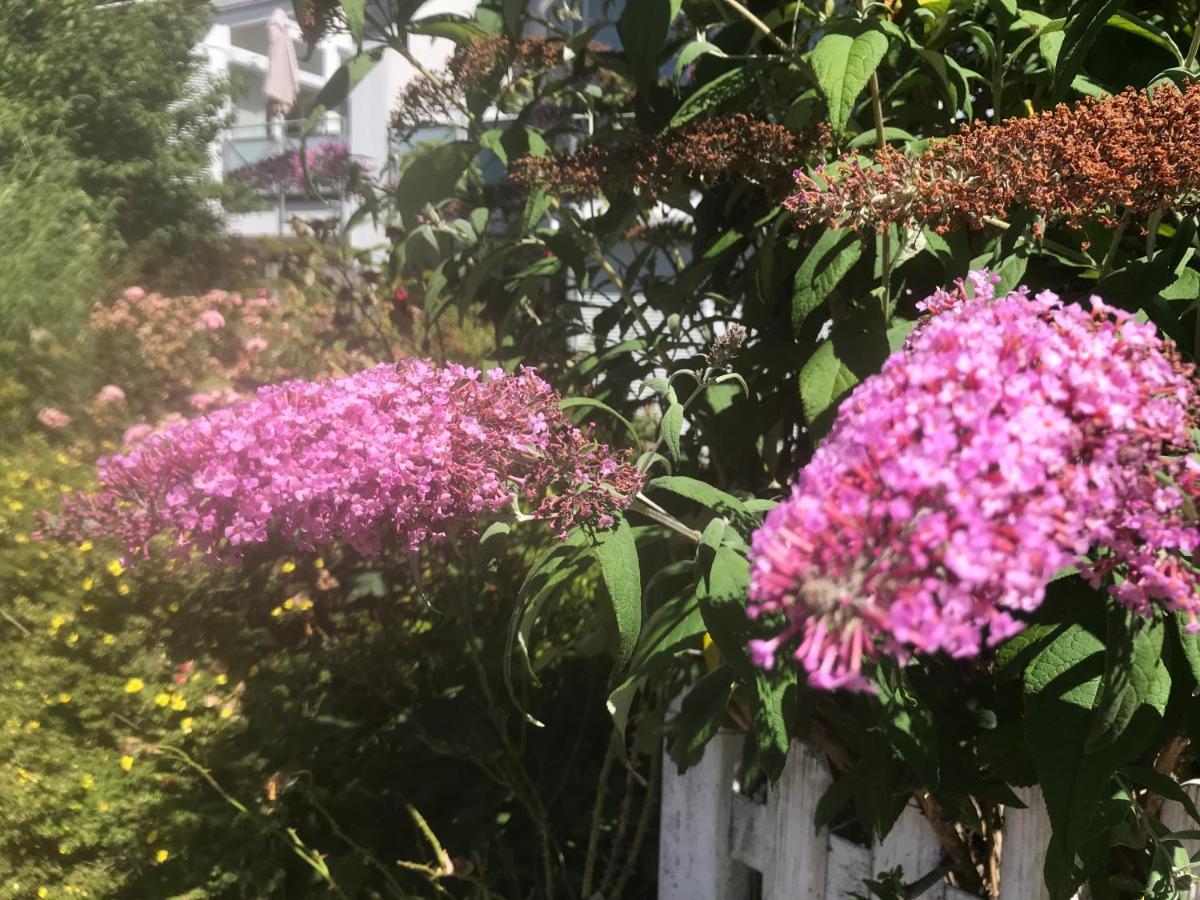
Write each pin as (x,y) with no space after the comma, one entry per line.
(849,866)
(801,852)
(1175,817)
(713,838)
(911,845)
(694,860)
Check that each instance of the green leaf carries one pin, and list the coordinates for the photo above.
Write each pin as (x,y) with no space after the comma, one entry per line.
(768,735)
(827,263)
(557,567)
(1082,28)
(672,422)
(843,62)
(1189,642)
(711,498)
(513,11)
(701,715)
(449,26)
(617,554)
(714,94)
(824,380)
(1132,24)
(723,590)
(432,176)
(643,28)
(1135,678)
(590,403)
(1062,687)
(355,15)
(692,51)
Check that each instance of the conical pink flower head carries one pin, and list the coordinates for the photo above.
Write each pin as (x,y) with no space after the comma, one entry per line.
(1011,437)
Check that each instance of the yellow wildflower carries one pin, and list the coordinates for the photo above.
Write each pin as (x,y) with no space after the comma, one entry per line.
(162,699)
(186,725)
(85,546)
(178,703)
(287,567)
(115,569)
(161,856)
(108,639)
(102,806)
(64,697)
(21,538)
(123,589)
(62,459)
(33,725)
(126,762)
(16,505)
(88,583)
(88,607)
(226,712)
(42,892)
(134,685)
(277,612)
(73,638)
(87,782)
(222,678)
(289,603)
(63,850)
(318,563)
(173,607)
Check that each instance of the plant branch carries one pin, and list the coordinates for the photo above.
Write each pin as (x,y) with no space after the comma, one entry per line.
(759,25)
(589,863)
(645,506)
(1111,256)
(1080,256)
(1194,48)
(952,842)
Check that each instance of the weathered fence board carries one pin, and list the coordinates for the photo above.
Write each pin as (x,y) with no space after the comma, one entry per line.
(713,838)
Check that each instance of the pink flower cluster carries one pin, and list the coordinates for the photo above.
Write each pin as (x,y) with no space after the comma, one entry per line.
(1012,437)
(328,165)
(411,450)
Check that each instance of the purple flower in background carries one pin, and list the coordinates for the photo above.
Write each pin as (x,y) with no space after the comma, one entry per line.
(1011,437)
(330,166)
(409,450)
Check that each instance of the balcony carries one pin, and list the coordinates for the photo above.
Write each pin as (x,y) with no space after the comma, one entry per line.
(264,157)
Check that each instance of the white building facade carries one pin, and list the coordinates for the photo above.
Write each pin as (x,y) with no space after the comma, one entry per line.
(236,48)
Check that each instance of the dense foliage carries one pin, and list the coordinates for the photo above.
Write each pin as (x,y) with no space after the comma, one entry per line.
(990,540)
(647,161)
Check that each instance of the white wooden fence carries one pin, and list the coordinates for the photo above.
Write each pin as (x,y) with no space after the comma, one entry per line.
(713,838)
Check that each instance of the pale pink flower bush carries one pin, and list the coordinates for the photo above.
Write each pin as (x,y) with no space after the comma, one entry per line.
(1011,437)
(401,453)
(53,418)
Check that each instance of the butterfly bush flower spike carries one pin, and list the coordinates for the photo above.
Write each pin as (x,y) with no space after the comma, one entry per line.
(1011,437)
(407,451)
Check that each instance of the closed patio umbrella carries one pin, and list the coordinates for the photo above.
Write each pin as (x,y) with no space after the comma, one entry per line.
(283,72)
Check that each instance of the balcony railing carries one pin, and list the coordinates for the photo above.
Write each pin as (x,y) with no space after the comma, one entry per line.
(247,146)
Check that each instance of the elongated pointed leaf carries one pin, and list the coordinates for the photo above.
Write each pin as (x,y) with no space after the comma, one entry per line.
(617,554)
(832,256)
(1080,32)
(1135,677)
(843,62)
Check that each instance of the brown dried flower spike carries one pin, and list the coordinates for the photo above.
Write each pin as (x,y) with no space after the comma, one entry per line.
(1099,160)
(425,100)
(708,151)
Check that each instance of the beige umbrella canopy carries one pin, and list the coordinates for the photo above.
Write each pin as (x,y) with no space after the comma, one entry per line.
(283,72)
